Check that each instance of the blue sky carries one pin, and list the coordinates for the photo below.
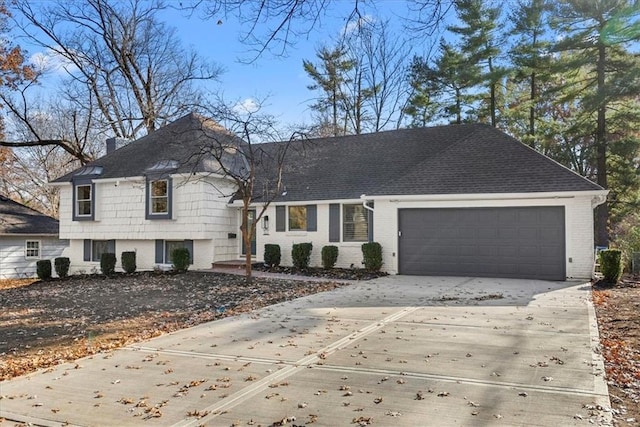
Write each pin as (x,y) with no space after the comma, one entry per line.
(279,80)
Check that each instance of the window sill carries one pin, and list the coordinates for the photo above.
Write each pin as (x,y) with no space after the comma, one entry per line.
(297,233)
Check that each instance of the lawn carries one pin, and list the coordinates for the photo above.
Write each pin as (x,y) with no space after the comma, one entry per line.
(43,324)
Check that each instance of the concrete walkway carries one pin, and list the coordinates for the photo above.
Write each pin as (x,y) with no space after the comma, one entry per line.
(395,351)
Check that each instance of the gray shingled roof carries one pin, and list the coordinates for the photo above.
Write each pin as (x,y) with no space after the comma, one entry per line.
(20,219)
(184,141)
(453,159)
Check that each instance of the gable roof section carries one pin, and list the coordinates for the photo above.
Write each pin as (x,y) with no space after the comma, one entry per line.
(182,143)
(453,159)
(16,218)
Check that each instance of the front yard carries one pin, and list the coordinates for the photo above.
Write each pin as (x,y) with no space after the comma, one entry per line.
(43,324)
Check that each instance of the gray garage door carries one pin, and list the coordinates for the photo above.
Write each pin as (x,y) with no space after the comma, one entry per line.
(486,242)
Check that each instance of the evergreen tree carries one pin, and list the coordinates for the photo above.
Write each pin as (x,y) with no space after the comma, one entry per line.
(480,45)
(597,34)
(330,77)
(530,59)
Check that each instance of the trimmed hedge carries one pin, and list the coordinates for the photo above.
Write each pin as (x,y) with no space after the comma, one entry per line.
(372,254)
(180,259)
(329,256)
(301,255)
(611,264)
(43,269)
(128,261)
(108,263)
(61,265)
(272,255)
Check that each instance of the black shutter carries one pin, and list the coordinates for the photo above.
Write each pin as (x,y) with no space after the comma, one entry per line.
(87,250)
(280,218)
(312,218)
(334,222)
(189,245)
(159,251)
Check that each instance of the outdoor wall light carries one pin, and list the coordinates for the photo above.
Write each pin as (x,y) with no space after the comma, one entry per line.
(265,222)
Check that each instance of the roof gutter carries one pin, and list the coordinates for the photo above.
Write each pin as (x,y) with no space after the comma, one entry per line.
(599,194)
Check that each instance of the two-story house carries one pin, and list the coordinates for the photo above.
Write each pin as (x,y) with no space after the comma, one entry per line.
(448,200)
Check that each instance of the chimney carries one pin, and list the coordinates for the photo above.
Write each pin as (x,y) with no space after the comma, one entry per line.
(114,143)
(111,145)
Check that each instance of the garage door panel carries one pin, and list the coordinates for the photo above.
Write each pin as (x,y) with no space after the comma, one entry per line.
(525,242)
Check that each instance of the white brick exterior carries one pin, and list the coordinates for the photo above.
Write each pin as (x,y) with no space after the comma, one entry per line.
(578,227)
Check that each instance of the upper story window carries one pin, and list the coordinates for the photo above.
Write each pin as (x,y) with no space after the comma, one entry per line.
(159,194)
(84,200)
(355,223)
(32,249)
(297,218)
(159,198)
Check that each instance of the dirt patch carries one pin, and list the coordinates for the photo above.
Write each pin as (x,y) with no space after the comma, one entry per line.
(43,324)
(324,273)
(618,312)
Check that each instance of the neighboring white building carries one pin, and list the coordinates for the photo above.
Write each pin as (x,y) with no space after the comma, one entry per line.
(26,236)
(450,200)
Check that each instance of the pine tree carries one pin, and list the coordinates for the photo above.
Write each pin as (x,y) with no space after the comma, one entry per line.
(598,33)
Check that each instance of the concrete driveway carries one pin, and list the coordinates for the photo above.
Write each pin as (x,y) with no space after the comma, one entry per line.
(396,351)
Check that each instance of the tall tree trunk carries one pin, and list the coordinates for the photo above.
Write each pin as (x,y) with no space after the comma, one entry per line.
(532,111)
(247,235)
(602,211)
(492,89)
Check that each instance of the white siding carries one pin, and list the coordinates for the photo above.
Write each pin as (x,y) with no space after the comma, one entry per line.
(13,262)
(200,213)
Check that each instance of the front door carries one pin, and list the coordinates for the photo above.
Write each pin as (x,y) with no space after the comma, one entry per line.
(252,219)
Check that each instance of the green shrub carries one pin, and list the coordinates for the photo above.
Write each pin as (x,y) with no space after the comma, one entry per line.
(301,255)
(329,256)
(611,264)
(272,255)
(61,265)
(180,259)
(108,263)
(372,254)
(128,261)
(43,269)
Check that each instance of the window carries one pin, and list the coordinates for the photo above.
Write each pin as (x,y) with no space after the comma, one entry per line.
(159,193)
(84,200)
(165,247)
(93,249)
(32,249)
(297,218)
(99,247)
(355,224)
(158,198)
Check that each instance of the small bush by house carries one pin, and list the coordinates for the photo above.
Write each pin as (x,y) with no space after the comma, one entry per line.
(43,269)
(272,255)
(301,255)
(61,265)
(180,259)
(128,261)
(372,256)
(611,264)
(329,256)
(108,263)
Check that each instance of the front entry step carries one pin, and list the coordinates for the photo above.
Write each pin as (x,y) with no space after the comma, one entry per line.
(230,264)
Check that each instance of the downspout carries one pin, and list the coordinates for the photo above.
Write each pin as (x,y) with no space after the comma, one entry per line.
(364,203)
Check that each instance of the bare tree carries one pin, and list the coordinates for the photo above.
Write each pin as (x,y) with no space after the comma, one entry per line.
(120,58)
(249,151)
